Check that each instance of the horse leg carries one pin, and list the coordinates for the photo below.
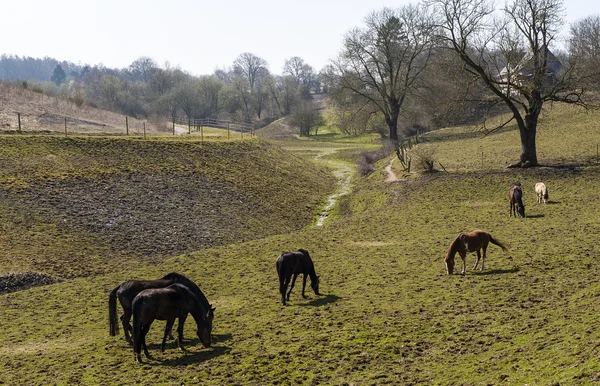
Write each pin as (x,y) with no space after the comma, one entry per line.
(292,286)
(127,329)
(463,256)
(180,331)
(477,262)
(283,283)
(483,259)
(303,284)
(143,331)
(168,328)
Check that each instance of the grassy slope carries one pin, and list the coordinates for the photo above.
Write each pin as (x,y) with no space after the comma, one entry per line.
(77,206)
(389,313)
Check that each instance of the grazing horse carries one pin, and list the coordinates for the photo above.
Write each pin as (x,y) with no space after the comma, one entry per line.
(542,192)
(170,303)
(515,197)
(290,264)
(128,290)
(469,242)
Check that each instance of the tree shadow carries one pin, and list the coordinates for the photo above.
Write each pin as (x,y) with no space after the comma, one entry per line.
(324,299)
(194,357)
(496,271)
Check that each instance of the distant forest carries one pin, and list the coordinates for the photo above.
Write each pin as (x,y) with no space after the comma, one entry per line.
(15,68)
(246,92)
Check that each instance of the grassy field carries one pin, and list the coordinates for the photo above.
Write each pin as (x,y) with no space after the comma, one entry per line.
(388,313)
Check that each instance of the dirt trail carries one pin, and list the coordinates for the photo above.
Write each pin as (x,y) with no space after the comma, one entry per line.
(390,175)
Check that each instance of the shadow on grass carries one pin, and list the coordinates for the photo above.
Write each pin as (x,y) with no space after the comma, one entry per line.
(188,357)
(221,337)
(536,216)
(324,299)
(496,271)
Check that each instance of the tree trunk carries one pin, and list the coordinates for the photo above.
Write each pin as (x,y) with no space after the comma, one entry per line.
(527,131)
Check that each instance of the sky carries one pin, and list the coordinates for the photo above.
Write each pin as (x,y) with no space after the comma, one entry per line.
(197,36)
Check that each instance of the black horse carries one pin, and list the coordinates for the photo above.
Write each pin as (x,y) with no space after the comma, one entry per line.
(170,303)
(128,290)
(290,264)
(515,197)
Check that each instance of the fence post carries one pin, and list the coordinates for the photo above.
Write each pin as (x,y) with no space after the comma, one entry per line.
(202,133)
(144,130)
(126,125)
(228,131)
(173,126)
(65,126)
(190,126)
(19,119)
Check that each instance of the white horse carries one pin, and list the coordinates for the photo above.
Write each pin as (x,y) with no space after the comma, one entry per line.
(542,192)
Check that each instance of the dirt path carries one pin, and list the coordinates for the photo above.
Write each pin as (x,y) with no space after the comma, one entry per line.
(390,175)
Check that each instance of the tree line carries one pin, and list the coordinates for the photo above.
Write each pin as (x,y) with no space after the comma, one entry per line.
(246,92)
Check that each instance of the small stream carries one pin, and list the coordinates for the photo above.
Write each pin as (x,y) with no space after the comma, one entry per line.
(343,173)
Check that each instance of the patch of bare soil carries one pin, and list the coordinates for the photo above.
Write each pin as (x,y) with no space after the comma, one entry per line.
(21,281)
(143,214)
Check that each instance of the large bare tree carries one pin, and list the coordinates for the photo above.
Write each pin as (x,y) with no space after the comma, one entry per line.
(382,62)
(510,54)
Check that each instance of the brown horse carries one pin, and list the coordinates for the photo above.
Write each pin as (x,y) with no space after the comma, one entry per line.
(128,290)
(290,264)
(170,303)
(515,195)
(469,242)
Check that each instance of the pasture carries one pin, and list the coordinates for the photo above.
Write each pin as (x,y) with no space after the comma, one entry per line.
(388,312)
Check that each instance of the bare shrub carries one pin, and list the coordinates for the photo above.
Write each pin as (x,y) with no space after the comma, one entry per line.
(424,158)
(369,158)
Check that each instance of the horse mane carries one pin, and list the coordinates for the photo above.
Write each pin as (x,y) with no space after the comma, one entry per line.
(181,279)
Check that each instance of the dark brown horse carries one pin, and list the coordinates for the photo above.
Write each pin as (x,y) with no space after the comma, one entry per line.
(469,242)
(291,264)
(128,290)
(515,197)
(170,303)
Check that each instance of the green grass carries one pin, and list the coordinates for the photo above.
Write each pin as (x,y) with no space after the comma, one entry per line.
(389,314)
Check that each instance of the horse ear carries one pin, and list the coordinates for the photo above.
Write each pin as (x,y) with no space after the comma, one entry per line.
(213,308)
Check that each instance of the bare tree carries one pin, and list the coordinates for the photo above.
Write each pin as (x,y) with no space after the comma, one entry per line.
(306,117)
(382,63)
(141,69)
(584,48)
(511,57)
(251,67)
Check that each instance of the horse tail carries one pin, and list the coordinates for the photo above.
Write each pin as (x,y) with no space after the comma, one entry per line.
(112,311)
(498,243)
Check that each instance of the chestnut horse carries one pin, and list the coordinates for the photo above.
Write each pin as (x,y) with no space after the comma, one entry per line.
(515,197)
(170,303)
(290,264)
(128,290)
(542,192)
(469,242)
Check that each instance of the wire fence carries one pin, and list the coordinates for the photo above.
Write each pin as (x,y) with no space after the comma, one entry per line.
(56,124)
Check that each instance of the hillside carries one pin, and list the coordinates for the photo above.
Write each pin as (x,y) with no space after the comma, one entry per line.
(388,313)
(82,206)
(45,113)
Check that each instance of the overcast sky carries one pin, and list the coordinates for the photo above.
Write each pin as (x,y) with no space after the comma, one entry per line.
(198,36)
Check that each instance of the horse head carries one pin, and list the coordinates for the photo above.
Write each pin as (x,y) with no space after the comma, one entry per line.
(521,210)
(449,264)
(314,284)
(205,330)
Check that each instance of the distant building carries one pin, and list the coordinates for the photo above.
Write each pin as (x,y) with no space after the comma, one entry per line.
(522,73)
